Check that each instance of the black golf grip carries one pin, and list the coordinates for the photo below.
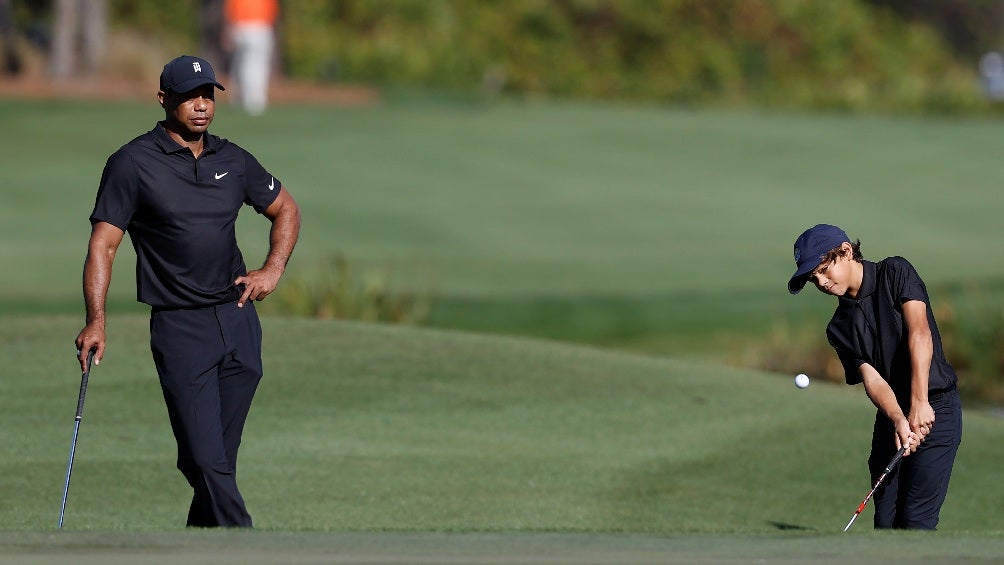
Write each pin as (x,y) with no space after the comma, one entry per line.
(895,459)
(83,385)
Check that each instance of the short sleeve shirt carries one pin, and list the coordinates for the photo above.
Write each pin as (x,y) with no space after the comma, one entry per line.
(180,213)
(870,328)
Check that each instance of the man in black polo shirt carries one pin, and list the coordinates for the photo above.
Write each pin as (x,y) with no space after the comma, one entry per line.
(885,335)
(177,190)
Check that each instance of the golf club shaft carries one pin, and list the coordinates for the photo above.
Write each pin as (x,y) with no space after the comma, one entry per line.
(76,429)
(888,469)
(854,517)
(69,469)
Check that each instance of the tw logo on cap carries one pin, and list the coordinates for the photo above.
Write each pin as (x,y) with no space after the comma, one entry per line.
(186,73)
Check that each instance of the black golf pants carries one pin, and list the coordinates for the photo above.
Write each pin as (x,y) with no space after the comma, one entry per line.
(912,495)
(209,362)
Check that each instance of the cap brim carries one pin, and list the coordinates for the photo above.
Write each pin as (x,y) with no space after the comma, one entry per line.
(191,85)
(797,281)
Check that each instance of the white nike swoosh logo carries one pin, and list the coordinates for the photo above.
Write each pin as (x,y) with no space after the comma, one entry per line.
(219,176)
(271,185)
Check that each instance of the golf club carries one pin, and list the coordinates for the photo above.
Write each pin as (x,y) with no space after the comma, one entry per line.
(76,428)
(888,468)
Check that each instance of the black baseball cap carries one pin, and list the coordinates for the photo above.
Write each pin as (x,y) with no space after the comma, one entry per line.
(186,73)
(810,248)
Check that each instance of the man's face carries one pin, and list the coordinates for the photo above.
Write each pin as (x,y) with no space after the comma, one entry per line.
(190,113)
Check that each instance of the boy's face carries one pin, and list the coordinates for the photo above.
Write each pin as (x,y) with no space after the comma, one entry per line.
(834,277)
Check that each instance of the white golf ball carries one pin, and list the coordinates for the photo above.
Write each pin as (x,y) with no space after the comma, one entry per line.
(801,380)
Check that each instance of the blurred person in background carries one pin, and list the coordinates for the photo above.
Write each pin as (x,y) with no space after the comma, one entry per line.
(251,33)
(8,40)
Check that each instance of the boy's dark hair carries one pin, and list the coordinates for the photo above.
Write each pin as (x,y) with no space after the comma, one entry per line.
(832,254)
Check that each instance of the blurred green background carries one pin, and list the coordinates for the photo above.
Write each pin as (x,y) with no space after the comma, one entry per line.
(852,55)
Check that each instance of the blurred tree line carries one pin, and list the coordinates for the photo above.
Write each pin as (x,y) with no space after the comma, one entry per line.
(971,28)
(913,55)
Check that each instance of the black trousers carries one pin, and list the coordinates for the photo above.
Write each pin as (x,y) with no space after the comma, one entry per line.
(209,362)
(912,495)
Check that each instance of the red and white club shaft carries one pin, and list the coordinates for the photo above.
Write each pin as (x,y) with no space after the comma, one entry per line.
(888,469)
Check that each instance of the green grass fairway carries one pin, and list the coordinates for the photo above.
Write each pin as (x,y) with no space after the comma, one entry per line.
(372,428)
(114,548)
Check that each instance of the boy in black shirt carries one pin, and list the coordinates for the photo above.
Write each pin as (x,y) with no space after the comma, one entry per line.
(886,337)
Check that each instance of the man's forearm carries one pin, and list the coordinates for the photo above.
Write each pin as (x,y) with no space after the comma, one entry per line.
(97,278)
(282,238)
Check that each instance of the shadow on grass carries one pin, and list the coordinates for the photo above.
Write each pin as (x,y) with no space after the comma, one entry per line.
(789,527)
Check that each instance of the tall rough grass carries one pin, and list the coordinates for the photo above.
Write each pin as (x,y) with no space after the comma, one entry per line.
(338,290)
(972,328)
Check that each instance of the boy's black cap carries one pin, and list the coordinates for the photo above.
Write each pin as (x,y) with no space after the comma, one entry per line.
(810,248)
(186,73)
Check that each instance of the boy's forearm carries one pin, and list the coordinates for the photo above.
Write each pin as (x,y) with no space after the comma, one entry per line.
(920,342)
(921,353)
(881,394)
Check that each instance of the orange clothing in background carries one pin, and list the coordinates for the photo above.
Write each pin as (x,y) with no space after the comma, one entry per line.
(240,11)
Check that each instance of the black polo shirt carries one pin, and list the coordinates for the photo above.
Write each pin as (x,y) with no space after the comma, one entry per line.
(180,213)
(870,328)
